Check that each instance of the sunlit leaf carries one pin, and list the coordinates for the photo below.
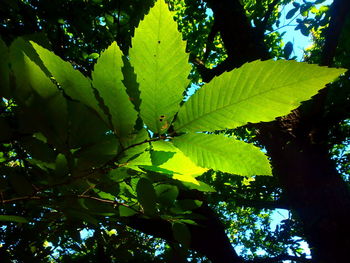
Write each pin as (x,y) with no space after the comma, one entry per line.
(107,79)
(72,81)
(212,151)
(161,64)
(177,161)
(257,91)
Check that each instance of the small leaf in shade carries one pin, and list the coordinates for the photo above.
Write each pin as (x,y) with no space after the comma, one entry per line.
(10,218)
(288,49)
(94,56)
(166,194)
(126,211)
(304,30)
(73,82)
(182,234)
(61,165)
(146,196)
(292,12)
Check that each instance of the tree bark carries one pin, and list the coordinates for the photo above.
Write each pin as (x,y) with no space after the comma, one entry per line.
(314,189)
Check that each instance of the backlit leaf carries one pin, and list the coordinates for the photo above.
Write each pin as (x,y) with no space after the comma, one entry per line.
(72,81)
(224,154)
(107,79)
(161,64)
(178,162)
(258,91)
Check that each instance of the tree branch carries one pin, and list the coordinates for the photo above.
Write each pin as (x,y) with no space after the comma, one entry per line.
(242,42)
(339,10)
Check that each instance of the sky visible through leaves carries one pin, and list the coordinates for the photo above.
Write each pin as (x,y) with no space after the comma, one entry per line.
(300,42)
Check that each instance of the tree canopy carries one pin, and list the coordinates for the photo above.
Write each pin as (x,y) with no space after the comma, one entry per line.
(171,131)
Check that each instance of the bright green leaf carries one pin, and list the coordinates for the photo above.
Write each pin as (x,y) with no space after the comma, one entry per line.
(178,162)
(94,56)
(107,79)
(161,64)
(258,91)
(224,154)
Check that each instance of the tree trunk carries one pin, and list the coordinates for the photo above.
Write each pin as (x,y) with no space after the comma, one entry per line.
(314,189)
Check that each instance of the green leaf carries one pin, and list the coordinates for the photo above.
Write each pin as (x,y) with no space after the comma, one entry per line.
(107,79)
(177,162)
(18,219)
(200,186)
(4,70)
(137,153)
(86,128)
(94,56)
(34,89)
(125,211)
(161,64)
(98,154)
(189,204)
(146,196)
(39,150)
(182,234)
(61,168)
(72,81)
(258,91)
(304,30)
(130,82)
(166,194)
(224,154)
